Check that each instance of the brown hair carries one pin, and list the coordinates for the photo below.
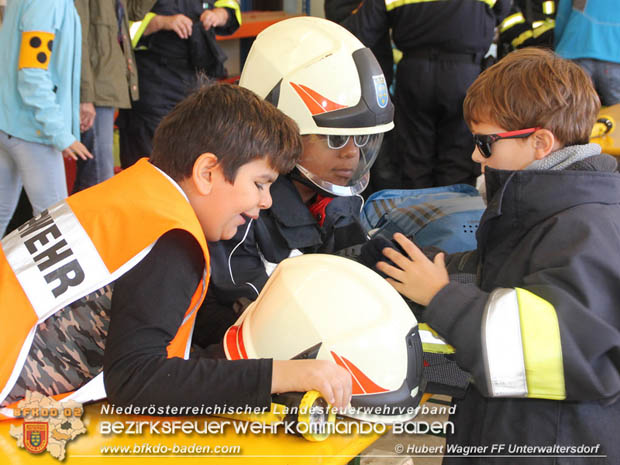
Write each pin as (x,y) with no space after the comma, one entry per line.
(231,122)
(534,87)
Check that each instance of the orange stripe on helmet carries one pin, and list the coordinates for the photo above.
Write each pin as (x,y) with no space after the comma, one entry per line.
(315,102)
(356,386)
(367,384)
(231,343)
(240,344)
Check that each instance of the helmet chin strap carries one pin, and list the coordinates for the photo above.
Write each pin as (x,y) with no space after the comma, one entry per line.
(298,176)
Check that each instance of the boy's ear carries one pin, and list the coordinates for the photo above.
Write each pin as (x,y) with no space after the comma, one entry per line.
(544,143)
(203,172)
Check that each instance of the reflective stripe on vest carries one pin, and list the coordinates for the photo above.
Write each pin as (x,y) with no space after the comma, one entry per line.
(392,4)
(80,245)
(137,28)
(521,346)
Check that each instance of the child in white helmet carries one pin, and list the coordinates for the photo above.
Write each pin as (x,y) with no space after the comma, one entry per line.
(320,75)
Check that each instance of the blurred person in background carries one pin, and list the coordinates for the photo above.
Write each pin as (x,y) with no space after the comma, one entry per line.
(109,79)
(588,32)
(443,45)
(39,102)
(177,43)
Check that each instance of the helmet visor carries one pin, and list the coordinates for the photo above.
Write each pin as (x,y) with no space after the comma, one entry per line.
(339,164)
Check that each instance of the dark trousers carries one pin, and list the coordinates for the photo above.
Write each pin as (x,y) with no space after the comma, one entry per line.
(135,130)
(432,144)
(163,82)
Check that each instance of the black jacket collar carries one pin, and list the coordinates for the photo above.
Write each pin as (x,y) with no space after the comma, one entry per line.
(522,199)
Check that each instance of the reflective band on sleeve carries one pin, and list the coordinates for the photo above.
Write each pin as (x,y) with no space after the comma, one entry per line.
(542,347)
(230,4)
(392,4)
(548,7)
(501,345)
(433,342)
(36,49)
(511,21)
(543,27)
(136,30)
(522,38)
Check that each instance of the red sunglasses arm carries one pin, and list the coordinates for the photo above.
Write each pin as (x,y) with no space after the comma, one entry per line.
(520,132)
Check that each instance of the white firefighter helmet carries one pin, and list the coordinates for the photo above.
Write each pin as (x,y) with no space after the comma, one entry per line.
(327,307)
(323,77)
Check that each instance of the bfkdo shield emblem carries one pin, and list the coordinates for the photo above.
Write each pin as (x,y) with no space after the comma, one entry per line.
(35,436)
(381,90)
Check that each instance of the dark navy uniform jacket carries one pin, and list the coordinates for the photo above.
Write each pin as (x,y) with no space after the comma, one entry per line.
(240,266)
(540,333)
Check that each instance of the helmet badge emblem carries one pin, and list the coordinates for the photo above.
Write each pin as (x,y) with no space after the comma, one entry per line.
(381,90)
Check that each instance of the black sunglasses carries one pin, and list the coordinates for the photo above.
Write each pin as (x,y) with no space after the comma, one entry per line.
(484,141)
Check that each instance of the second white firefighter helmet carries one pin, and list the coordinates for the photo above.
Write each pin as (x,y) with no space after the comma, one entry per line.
(327,307)
(323,77)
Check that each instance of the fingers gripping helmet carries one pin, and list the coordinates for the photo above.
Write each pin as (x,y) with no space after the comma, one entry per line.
(323,77)
(362,324)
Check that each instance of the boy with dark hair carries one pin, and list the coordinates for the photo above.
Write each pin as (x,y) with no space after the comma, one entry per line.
(540,332)
(144,231)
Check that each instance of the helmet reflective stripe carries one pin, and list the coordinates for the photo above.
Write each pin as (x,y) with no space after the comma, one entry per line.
(315,102)
(362,384)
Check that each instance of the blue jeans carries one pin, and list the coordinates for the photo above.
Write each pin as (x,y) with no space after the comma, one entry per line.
(606,78)
(99,140)
(38,168)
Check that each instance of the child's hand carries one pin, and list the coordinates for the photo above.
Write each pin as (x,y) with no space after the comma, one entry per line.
(331,380)
(87,116)
(414,276)
(77,150)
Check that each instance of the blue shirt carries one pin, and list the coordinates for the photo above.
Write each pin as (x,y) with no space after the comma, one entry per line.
(591,33)
(41,105)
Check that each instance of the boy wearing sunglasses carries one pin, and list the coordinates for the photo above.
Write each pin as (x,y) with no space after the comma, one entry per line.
(540,330)
(321,76)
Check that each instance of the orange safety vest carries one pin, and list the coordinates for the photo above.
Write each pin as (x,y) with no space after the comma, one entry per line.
(82,244)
